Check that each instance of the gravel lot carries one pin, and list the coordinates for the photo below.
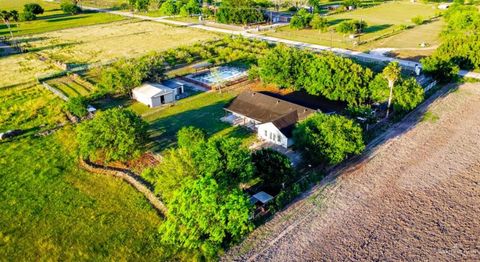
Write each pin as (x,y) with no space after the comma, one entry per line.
(414,197)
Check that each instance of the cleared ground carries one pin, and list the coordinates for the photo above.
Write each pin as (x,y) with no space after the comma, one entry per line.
(416,198)
(114,40)
(382,20)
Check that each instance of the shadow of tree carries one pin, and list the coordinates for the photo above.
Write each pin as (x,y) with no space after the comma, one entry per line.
(376,28)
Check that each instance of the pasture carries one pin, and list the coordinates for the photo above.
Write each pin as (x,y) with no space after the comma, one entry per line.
(384,22)
(53,210)
(52,19)
(103,43)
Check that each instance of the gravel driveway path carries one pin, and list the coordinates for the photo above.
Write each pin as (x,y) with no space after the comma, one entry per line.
(416,197)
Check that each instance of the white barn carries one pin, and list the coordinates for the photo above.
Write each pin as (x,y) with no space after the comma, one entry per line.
(153,94)
(273,119)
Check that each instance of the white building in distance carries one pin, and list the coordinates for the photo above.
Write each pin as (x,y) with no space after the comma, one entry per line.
(154,94)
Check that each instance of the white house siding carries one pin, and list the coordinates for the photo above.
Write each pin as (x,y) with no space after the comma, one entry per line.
(269,132)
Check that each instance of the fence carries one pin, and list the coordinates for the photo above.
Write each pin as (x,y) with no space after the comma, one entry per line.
(55,91)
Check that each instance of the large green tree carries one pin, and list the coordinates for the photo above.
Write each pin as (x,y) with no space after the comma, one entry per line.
(203,215)
(284,66)
(328,138)
(239,12)
(115,134)
(272,167)
(338,79)
(408,95)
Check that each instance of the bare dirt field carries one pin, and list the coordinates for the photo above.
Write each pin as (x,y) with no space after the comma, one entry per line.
(415,196)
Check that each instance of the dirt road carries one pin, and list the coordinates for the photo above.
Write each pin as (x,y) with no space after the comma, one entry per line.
(417,197)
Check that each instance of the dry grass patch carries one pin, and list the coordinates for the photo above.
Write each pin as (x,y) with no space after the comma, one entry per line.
(102,43)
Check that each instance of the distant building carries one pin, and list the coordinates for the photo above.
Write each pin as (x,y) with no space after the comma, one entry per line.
(154,94)
(273,118)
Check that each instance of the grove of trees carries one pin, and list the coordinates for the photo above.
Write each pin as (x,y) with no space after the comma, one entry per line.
(460,47)
(239,12)
(326,74)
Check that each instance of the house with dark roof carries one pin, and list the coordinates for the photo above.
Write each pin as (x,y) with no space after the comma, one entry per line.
(272,117)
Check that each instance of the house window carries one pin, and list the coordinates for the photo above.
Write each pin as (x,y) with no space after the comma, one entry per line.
(266,133)
(279,139)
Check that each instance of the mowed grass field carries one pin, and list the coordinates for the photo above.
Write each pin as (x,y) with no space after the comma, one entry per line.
(52,19)
(202,110)
(382,20)
(101,43)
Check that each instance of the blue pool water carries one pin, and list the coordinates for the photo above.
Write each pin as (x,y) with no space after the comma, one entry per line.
(220,74)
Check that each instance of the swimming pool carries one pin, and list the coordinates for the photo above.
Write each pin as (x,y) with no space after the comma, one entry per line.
(222,74)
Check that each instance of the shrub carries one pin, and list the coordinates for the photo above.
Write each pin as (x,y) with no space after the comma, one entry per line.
(28,16)
(328,138)
(319,22)
(69,7)
(418,20)
(301,19)
(77,106)
(351,27)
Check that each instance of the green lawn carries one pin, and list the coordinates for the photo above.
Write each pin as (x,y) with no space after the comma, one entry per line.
(202,110)
(53,19)
(53,210)
(382,20)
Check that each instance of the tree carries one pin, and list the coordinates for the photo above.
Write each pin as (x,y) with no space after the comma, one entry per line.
(274,168)
(225,160)
(378,89)
(392,73)
(77,106)
(408,95)
(319,22)
(301,19)
(284,66)
(193,7)
(176,167)
(328,138)
(7,17)
(351,27)
(115,134)
(30,11)
(168,8)
(70,7)
(189,137)
(122,76)
(337,78)
(441,70)
(239,12)
(203,215)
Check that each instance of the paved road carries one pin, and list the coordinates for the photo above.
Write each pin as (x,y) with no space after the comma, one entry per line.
(245,33)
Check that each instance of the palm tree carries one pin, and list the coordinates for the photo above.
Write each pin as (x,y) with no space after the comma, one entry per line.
(6,16)
(392,73)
